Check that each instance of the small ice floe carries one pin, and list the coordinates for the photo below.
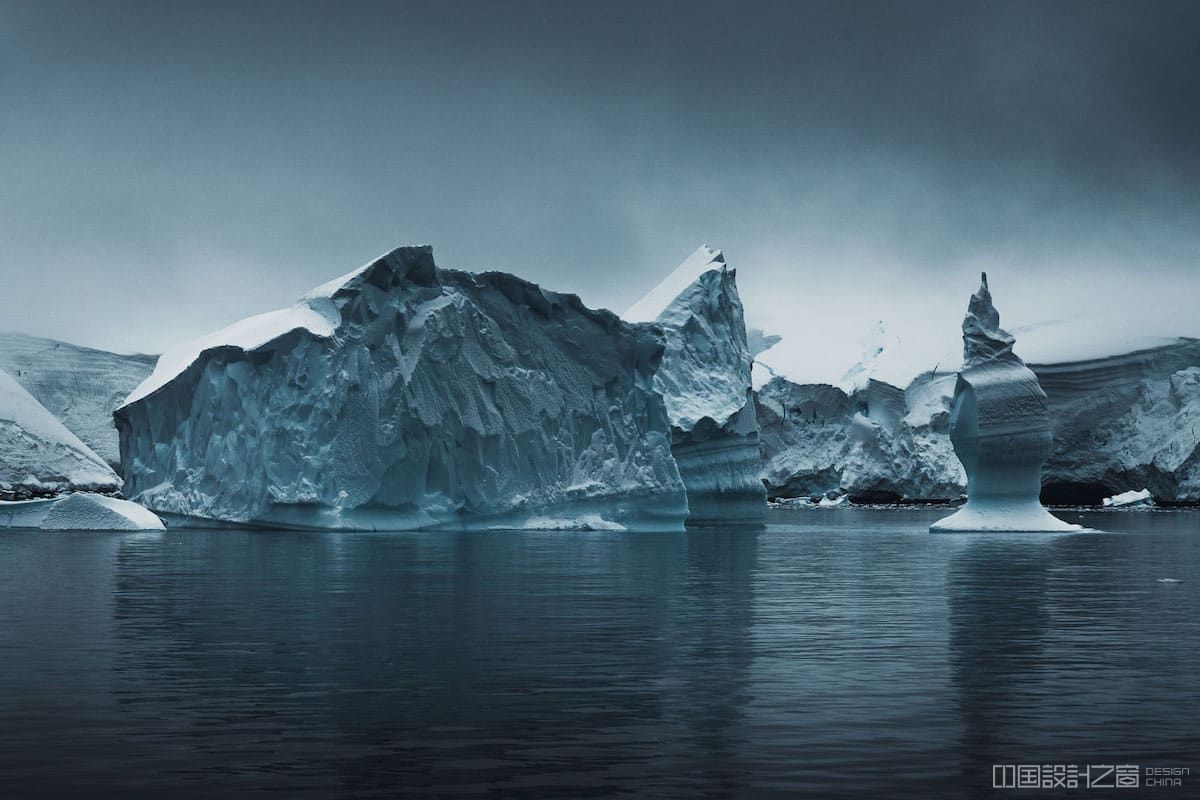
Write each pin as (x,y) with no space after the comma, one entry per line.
(1168,580)
(834,502)
(794,502)
(79,511)
(583,522)
(1130,499)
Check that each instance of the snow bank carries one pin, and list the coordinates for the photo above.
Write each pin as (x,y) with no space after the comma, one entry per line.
(705,382)
(406,396)
(78,385)
(38,455)
(1000,429)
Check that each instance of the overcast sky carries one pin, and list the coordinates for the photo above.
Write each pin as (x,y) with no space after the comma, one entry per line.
(168,168)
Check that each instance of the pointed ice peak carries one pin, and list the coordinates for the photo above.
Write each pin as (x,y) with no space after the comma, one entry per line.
(657,299)
(983,338)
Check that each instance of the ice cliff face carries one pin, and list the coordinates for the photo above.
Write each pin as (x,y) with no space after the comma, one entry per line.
(78,385)
(874,444)
(38,455)
(704,379)
(1123,423)
(404,396)
(1000,429)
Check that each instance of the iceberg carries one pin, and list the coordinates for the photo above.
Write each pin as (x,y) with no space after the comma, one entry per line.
(79,385)
(404,396)
(39,457)
(1000,429)
(1131,419)
(875,444)
(705,382)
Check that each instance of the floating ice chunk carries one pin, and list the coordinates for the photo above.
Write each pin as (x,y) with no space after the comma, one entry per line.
(93,512)
(584,522)
(1130,499)
(1000,429)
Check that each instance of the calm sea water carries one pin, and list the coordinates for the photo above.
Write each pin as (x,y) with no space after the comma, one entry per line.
(835,654)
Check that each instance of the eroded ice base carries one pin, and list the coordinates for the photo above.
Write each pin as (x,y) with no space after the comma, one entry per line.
(660,513)
(997,515)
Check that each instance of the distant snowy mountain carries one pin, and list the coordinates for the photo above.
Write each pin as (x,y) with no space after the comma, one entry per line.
(38,455)
(78,385)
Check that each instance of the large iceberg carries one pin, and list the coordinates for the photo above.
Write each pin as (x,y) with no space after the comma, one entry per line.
(79,385)
(1125,422)
(1000,429)
(874,444)
(406,396)
(705,382)
(38,456)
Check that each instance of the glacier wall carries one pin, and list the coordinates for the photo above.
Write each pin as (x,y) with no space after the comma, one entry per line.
(1000,429)
(1125,422)
(705,382)
(407,396)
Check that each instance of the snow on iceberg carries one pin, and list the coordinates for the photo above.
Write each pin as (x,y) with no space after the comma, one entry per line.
(1000,429)
(406,396)
(79,385)
(38,455)
(705,381)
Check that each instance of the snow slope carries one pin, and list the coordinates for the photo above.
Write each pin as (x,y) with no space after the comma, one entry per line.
(1000,429)
(406,396)
(38,455)
(78,385)
(704,379)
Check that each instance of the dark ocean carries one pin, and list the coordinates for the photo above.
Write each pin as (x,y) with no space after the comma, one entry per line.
(838,653)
